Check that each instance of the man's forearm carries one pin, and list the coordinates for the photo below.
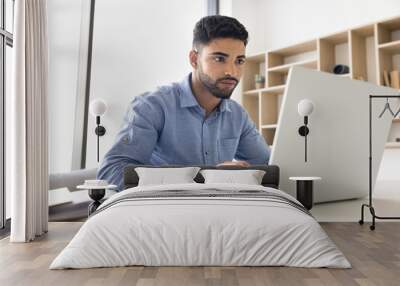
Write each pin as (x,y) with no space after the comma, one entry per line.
(112,170)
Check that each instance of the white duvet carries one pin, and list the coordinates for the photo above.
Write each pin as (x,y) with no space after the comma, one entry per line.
(200,231)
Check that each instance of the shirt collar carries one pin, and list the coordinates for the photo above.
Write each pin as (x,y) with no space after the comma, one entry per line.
(224,105)
(187,98)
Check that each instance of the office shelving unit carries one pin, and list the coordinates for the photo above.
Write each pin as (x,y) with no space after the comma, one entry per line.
(367,50)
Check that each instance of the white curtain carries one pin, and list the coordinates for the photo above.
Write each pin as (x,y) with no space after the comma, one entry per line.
(27,119)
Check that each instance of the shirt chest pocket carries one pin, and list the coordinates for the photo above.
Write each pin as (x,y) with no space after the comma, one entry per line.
(227,149)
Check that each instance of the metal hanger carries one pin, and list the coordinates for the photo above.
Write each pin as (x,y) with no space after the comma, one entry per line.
(387,107)
(397,113)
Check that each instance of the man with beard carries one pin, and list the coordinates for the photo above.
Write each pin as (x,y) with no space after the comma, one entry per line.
(193,122)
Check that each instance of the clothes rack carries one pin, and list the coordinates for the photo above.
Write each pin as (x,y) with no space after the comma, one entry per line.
(370,201)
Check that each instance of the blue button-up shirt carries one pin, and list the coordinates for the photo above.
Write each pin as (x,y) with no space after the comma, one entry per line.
(169,127)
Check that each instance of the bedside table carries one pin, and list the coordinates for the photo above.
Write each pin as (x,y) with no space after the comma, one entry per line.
(96,193)
(304,190)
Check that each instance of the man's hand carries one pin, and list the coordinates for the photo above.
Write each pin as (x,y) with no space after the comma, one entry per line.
(235,163)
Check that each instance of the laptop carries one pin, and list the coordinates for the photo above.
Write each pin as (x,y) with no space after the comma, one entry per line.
(338,142)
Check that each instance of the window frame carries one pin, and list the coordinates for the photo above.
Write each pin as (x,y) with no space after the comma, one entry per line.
(212,7)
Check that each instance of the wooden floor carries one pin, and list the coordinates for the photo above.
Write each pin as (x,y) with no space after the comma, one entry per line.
(375,257)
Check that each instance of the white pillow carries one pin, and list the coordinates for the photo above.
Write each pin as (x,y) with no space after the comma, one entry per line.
(164,176)
(248,177)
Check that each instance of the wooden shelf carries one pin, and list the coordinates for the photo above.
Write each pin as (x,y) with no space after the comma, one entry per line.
(254,65)
(256,58)
(385,30)
(343,75)
(269,126)
(274,90)
(297,49)
(365,31)
(329,50)
(367,50)
(392,145)
(391,24)
(361,60)
(391,47)
(285,68)
(268,135)
(255,92)
(338,38)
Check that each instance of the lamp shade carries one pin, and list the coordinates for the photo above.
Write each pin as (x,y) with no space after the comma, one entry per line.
(305,107)
(97,107)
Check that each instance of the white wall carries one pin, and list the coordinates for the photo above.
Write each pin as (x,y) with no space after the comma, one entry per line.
(389,168)
(287,22)
(249,13)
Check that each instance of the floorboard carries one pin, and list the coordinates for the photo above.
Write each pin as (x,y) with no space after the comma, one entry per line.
(375,257)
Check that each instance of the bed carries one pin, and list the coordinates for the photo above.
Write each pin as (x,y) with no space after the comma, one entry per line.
(201,224)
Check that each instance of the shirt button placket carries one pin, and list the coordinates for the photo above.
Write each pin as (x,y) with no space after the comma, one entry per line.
(206,151)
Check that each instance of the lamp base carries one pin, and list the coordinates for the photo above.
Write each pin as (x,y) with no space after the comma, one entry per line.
(100,130)
(304,131)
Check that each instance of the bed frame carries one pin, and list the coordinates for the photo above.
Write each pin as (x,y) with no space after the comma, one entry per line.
(270,179)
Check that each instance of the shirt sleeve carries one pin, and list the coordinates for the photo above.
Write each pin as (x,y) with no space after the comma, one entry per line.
(252,146)
(135,141)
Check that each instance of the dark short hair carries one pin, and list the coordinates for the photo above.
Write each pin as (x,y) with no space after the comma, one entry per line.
(213,27)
